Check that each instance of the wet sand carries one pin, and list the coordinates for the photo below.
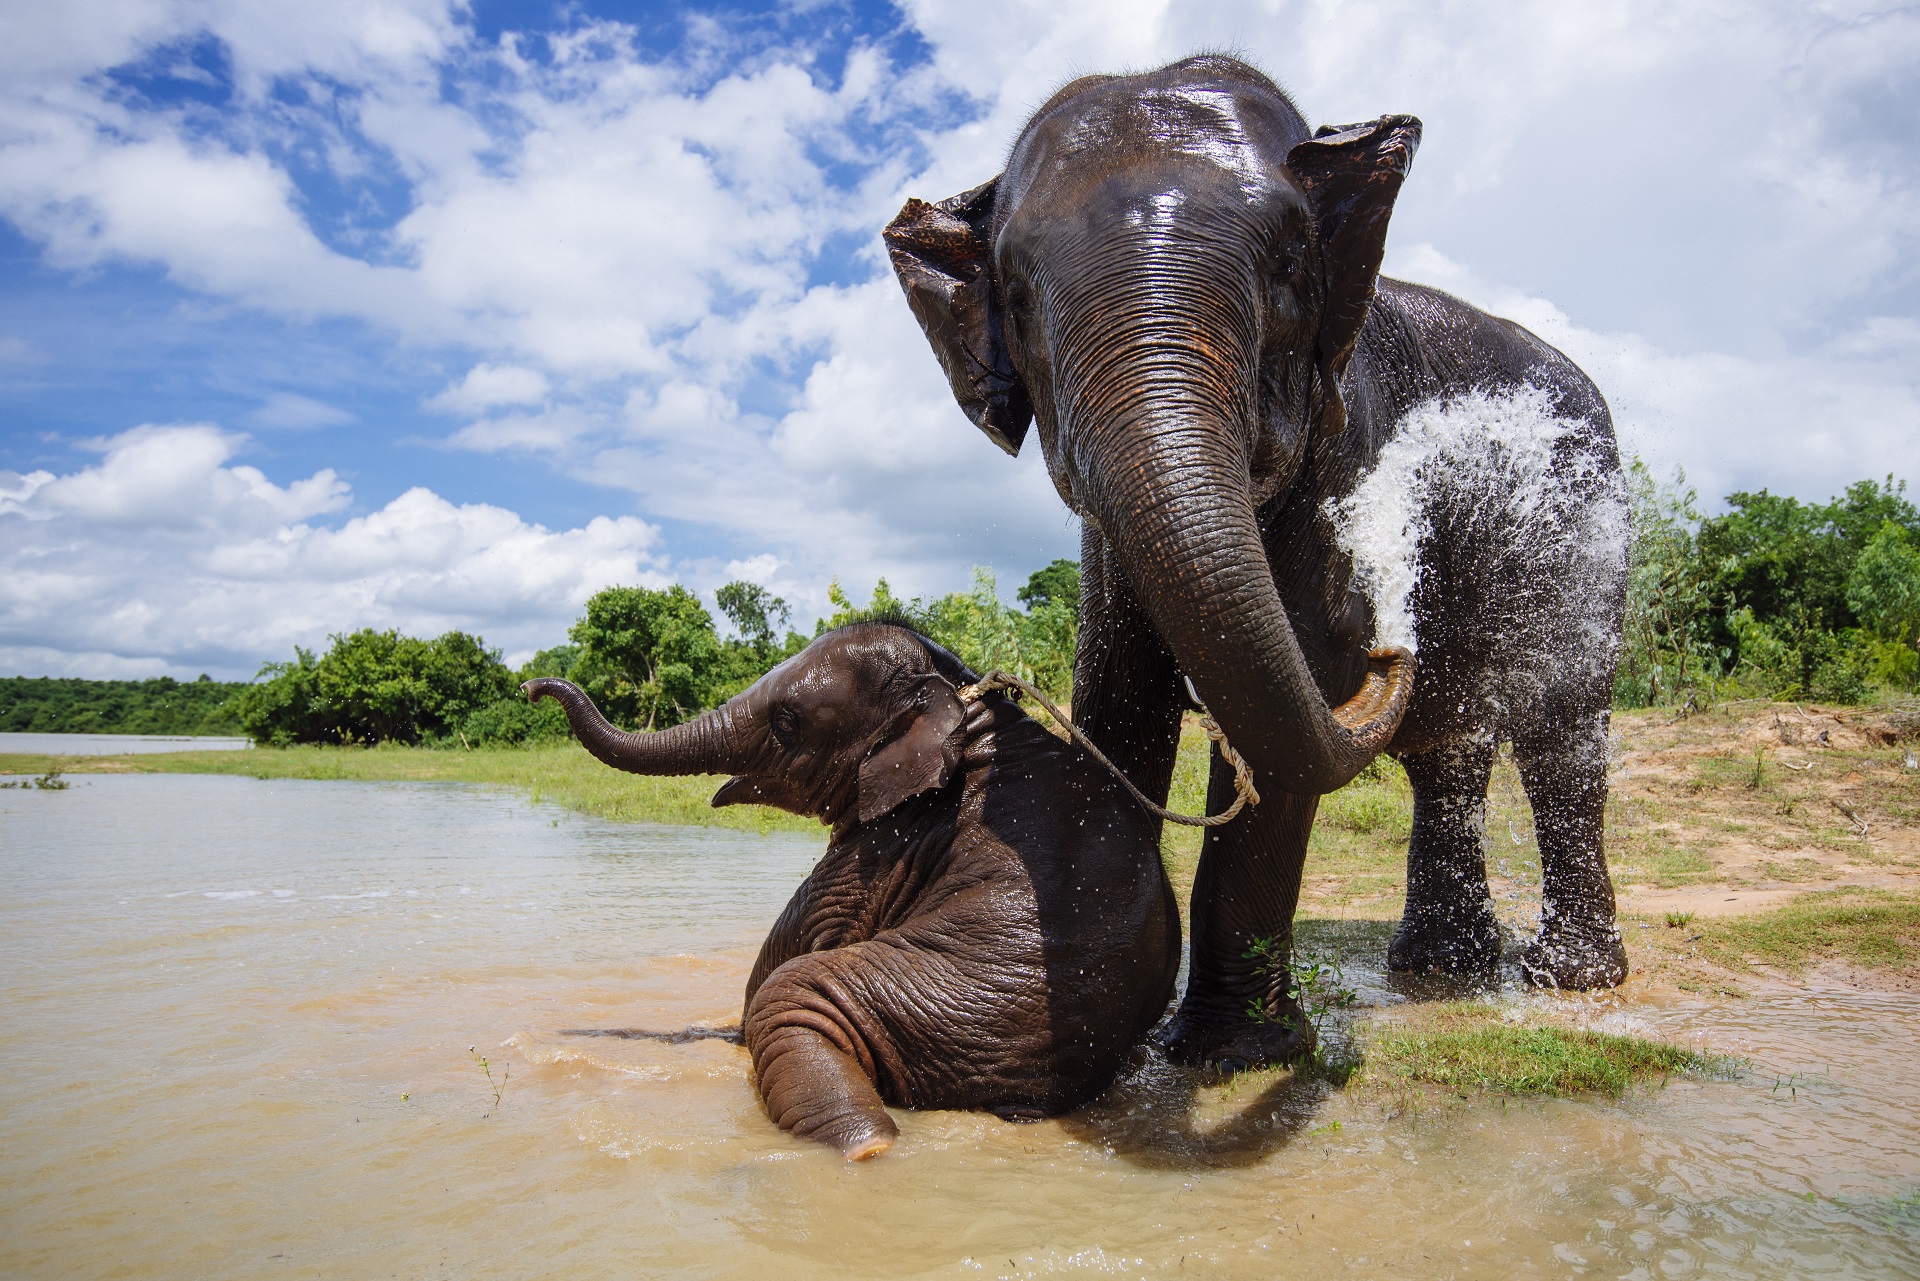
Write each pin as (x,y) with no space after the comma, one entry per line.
(236,1044)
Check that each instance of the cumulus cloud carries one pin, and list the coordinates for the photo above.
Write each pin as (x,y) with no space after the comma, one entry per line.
(163,556)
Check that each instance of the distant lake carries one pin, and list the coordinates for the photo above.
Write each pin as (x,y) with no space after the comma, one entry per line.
(118,744)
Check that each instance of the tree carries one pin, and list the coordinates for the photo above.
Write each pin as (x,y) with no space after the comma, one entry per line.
(1057,584)
(1884,593)
(649,658)
(374,687)
(282,705)
(982,630)
(753,610)
(557,661)
(1665,646)
(755,613)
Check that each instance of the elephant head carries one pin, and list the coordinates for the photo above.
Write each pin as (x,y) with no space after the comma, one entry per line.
(1170,278)
(855,725)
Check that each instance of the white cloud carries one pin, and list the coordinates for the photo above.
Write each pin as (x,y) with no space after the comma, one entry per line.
(1808,422)
(164,556)
(288,411)
(170,477)
(488,386)
(1711,207)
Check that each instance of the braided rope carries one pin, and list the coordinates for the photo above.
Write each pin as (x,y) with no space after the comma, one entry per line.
(1244,792)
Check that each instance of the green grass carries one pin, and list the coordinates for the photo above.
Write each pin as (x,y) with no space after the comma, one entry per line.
(1863,927)
(1464,1046)
(560,773)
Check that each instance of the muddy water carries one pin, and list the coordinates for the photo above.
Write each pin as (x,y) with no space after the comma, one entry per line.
(235,1044)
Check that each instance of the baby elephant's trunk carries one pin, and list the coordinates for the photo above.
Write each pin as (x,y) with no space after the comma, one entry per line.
(707,744)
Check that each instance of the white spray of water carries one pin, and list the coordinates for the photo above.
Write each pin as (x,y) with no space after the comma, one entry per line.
(1504,509)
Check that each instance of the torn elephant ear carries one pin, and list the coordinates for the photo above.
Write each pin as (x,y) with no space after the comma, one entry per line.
(942,254)
(1351,175)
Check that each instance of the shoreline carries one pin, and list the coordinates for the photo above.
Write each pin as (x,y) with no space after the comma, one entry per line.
(1743,809)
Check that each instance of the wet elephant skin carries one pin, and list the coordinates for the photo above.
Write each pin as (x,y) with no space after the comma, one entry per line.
(1176,280)
(990,927)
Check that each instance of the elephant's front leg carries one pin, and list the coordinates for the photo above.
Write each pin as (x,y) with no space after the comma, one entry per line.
(1565,774)
(814,1067)
(1240,1010)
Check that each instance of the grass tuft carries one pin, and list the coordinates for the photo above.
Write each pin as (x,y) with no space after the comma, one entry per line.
(1465,1047)
(1863,927)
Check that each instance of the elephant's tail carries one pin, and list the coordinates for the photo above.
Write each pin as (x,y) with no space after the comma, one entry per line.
(731,1035)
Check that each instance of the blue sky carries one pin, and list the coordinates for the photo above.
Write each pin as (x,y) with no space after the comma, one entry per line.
(419,314)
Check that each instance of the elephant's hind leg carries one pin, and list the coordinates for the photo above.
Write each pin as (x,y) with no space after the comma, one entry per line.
(1564,769)
(1448,926)
(809,1062)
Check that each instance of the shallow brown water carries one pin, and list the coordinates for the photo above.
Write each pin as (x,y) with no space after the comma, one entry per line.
(235,1045)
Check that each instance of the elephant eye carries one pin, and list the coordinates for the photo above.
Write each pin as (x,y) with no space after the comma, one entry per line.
(1019,297)
(786,726)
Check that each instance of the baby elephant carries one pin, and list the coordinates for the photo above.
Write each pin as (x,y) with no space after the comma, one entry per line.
(990,927)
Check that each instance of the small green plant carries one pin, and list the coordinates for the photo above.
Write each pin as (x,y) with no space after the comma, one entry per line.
(1757,775)
(47,782)
(1679,920)
(1317,983)
(498,1087)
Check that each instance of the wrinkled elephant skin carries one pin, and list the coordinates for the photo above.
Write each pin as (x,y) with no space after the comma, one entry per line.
(1176,280)
(990,927)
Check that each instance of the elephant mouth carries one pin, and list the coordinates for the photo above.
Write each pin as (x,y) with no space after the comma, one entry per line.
(747,789)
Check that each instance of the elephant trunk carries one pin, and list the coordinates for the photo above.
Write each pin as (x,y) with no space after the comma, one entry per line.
(707,744)
(1185,532)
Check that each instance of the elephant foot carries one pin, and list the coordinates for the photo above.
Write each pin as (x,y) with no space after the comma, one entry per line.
(1574,958)
(1431,942)
(1230,1044)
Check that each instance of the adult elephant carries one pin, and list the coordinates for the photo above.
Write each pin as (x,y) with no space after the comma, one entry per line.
(1286,465)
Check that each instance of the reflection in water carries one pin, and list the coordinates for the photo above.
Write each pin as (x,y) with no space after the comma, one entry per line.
(235,1043)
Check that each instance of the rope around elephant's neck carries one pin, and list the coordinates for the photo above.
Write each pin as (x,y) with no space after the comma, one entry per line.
(1244,793)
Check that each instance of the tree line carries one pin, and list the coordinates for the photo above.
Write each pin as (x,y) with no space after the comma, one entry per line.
(1774,598)
(163,705)
(649,657)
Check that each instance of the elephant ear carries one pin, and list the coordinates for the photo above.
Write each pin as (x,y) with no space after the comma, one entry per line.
(917,752)
(942,254)
(1351,175)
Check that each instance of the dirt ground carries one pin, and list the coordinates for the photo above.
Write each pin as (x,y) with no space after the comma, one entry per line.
(1744,806)
(1713,813)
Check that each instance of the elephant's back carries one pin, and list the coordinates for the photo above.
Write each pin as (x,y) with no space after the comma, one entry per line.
(1424,343)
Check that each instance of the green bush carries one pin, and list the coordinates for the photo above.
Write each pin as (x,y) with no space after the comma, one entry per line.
(1036,644)
(1774,598)
(375,687)
(514,722)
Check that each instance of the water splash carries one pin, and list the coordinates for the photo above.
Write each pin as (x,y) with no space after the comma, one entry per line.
(1493,508)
